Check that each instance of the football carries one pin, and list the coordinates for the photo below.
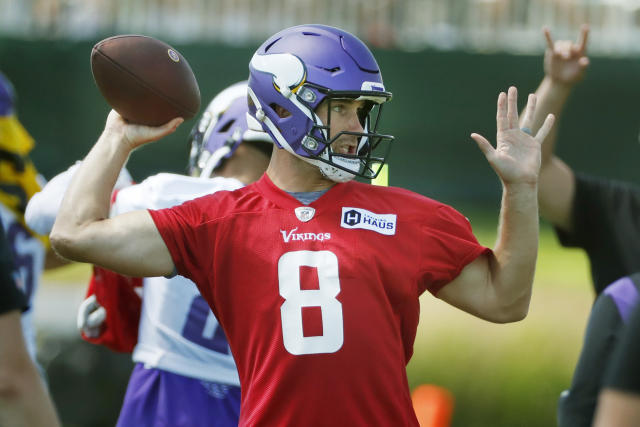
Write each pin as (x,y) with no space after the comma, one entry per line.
(144,79)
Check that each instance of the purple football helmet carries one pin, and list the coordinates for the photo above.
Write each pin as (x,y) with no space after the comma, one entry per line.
(6,96)
(299,68)
(221,129)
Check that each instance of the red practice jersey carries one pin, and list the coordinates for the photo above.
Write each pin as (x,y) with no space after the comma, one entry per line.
(320,302)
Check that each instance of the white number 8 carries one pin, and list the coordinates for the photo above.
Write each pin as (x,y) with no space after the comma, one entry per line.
(326,264)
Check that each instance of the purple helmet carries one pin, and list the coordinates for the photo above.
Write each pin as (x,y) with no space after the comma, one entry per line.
(296,70)
(221,129)
(6,96)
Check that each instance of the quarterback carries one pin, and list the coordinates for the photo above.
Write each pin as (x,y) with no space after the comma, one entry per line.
(314,277)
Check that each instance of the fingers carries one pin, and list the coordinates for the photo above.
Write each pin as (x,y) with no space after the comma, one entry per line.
(501,115)
(86,307)
(583,62)
(545,128)
(566,48)
(583,38)
(484,145)
(527,120)
(512,107)
(170,126)
(97,317)
(507,114)
(547,36)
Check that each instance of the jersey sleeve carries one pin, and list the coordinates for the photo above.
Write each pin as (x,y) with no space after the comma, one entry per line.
(448,246)
(43,207)
(184,231)
(597,203)
(623,372)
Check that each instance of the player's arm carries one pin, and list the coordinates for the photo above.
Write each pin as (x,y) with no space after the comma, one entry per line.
(497,286)
(564,65)
(24,400)
(43,207)
(617,408)
(128,244)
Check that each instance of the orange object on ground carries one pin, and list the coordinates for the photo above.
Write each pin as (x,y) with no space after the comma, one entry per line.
(433,405)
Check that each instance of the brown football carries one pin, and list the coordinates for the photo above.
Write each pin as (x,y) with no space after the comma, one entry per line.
(145,80)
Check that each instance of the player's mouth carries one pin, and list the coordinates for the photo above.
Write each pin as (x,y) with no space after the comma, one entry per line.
(345,147)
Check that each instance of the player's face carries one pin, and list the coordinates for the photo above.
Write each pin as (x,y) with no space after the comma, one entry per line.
(344,118)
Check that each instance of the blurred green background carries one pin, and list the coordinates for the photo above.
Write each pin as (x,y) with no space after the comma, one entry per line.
(500,375)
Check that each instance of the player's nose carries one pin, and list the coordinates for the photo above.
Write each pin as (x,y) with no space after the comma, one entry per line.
(354,123)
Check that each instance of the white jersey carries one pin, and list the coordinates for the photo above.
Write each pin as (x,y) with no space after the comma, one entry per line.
(28,257)
(178,332)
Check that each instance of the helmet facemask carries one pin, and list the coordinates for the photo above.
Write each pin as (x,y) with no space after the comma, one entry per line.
(372,147)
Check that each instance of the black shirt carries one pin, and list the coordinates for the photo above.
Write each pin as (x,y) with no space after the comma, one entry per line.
(11,298)
(623,372)
(611,311)
(606,224)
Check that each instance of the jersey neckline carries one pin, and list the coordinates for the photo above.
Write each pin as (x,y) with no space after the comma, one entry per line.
(285,200)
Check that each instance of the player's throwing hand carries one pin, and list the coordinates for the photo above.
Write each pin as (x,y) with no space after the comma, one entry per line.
(136,135)
(516,157)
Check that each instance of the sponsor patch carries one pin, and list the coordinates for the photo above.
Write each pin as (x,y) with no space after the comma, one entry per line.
(366,220)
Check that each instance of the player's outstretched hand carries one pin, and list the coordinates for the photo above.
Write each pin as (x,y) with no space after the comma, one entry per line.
(134,135)
(516,157)
(565,61)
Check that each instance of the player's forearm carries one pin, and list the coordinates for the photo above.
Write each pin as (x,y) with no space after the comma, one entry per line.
(86,201)
(24,400)
(551,98)
(512,268)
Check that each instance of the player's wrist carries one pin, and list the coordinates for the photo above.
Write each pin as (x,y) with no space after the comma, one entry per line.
(560,83)
(115,142)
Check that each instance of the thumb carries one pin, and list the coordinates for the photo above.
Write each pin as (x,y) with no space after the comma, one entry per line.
(484,145)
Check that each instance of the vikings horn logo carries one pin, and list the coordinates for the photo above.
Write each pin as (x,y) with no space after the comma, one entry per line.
(288,70)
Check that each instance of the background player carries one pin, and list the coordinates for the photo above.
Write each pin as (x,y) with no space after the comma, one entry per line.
(619,401)
(19,181)
(316,280)
(184,374)
(597,215)
(24,400)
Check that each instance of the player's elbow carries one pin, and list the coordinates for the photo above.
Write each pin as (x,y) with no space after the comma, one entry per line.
(514,311)
(66,244)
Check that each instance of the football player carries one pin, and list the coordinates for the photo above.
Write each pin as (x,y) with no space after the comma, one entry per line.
(619,400)
(184,373)
(19,181)
(315,277)
(24,400)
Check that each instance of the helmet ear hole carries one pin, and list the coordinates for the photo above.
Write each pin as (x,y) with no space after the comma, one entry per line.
(227,125)
(280,110)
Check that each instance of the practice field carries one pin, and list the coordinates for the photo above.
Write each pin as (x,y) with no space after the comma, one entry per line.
(500,375)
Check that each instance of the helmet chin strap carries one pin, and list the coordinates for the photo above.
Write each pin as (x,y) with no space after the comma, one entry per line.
(333,173)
